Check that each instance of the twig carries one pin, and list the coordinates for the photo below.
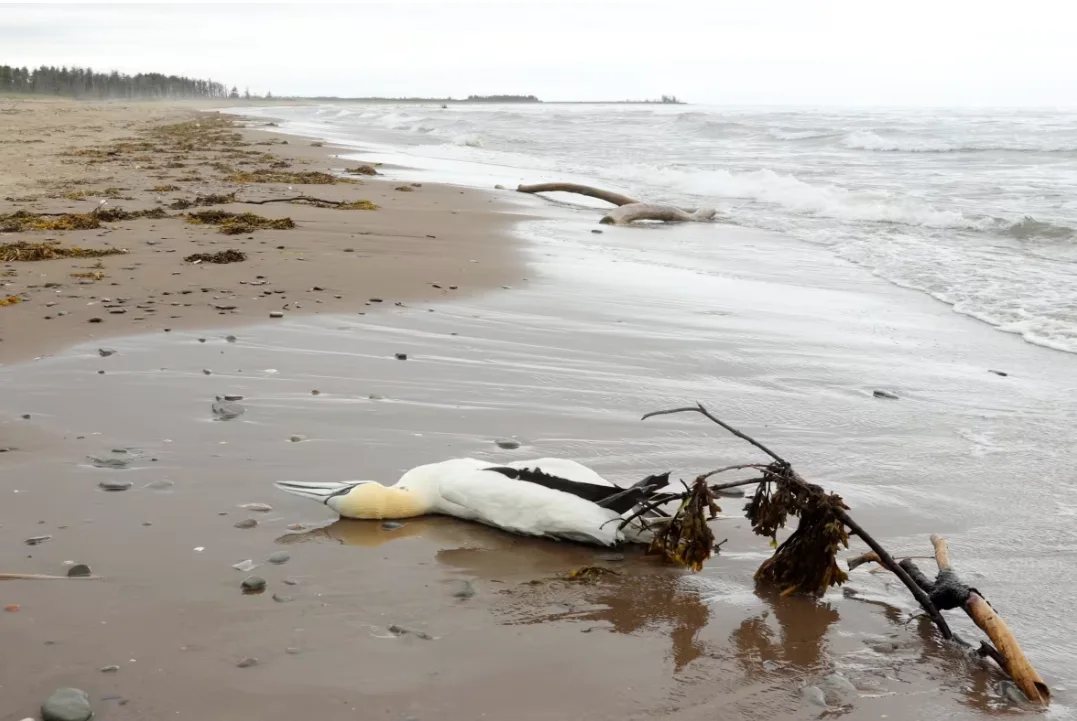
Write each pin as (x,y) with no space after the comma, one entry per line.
(44,577)
(698,408)
(760,466)
(291,200)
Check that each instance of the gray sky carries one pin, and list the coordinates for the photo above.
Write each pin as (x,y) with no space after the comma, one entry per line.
(823,52)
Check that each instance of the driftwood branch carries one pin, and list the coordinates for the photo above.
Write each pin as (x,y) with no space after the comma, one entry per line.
(296,199)
(44,577)
(651,211)
(804,562)
(608,196)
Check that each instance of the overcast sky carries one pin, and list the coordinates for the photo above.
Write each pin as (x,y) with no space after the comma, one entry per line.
(819,52)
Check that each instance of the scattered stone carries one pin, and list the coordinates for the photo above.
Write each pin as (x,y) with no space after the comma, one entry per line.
(885,394)
(315,392)
(162,485)
(509,444)
(207,371)
(463,589)
(245,566)
(231,397)
(771,665)
(281,598)
(401,356)
(26,416)
(253,584)
(230,338)
(67,704)
(79,570)
(292,650)
(259,507)
(247,523)
(114,485)
(95,320)
(376,300)
(276,314)
(297,438)
(226,411)
(376,397)
(999,373)
(391,525)
(247,662)
(597,232)
(291,582)
(280,557)
(110,669)
(401,631)
(37,540)
(735,492)
(106,352)
(114,463)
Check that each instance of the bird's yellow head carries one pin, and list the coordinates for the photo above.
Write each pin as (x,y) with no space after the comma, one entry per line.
(371,500)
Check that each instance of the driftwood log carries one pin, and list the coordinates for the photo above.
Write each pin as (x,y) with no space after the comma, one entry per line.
(805,561)
(628,209)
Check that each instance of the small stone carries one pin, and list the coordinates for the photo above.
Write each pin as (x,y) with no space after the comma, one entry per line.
(611,557)
(245,566)
(885,394)
(114,485)
(247,662)
(37,540)
(292,650)
(735,492)
(463,589)
(227,411)
(391,525)
(95,320)
(247,523)
(401,631)
(376,300)
(597,232)
(201,340)
(230,338)
(79,570)
(258,507)
(401,356)
(253,584)
(291,582)
(376,397)
(105,352)
(315,392)
(508,444)
(111,462)
(161,485)
(67,704)
(999,373)
(771,665)
(109,669)
(275,314)
(281,598)
(232,397)
(280,557)
(297,438)
(26,416)
(207,372)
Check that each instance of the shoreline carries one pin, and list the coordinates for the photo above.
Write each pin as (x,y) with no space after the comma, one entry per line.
(431,235)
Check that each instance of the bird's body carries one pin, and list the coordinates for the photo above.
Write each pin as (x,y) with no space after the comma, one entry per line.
(550,497)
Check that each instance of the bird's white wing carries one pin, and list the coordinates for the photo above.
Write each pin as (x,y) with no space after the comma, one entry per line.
(528,508)
(562,468)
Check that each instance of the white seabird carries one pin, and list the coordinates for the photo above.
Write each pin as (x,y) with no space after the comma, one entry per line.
(550,497)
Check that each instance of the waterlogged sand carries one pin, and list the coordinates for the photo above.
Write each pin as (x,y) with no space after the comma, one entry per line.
(565,362)
(333,261)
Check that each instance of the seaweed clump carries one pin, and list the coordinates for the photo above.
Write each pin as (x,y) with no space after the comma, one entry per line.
(687,539)
(225,256)
(238,223)
(203,200)
(22,220)
(306,177)
(362,170)
(9,300)
(23,251)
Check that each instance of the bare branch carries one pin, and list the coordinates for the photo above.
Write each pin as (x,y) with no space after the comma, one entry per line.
(698,408)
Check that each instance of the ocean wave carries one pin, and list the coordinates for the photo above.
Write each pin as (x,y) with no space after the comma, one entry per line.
(868,140)
(791,193)
(781,134)
(1029,228)
(468,141)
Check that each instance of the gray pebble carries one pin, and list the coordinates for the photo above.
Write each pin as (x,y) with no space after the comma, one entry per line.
(281,598)
(254,584)
(612,557)
(291,650)
(162,485)
(115,485)
(79,570)
(259,507)
(771,665)
(280,557)
(247,523)
(401,631)
(1012,693)
(232,397)
(401,356)
(37,540)
(67,704)
(275,314)
(463,589)
(391,525)
(735,492)
(885,394)
(226,411)
(999,373)
(298,438)
(230,338)
(110,669)
(111,462)
(106,352)
(376,397)
(207,371)
(291,582)
(247,662)
(508,444)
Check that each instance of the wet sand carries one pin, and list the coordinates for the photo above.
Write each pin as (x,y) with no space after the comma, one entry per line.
(566,364)
(334,261)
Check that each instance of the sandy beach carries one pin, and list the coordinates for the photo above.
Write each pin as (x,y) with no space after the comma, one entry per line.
(558,344)
(421,244)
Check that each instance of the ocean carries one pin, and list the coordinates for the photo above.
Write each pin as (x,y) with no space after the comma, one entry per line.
(977,208)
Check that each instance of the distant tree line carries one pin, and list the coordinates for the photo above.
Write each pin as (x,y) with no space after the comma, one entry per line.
(85,83)
(502,99)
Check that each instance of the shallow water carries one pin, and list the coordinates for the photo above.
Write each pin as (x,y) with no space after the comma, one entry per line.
(779,338)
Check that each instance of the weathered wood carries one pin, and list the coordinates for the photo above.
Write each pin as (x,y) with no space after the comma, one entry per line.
(608,196)
(651,211)
(44,577)
(979,610)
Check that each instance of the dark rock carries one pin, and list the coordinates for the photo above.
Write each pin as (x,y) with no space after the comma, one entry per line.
(253,584)
(110,669)
(247,662)
(735,492)
(67,704)
(376,300)
(297,438)
(391,525)
(106,352)
(247,523)
(161,485)
(226,411)
(207,372)
(79,570)
(280,557)
(95,320)
(281,598)
(597,232)
(401,356)
(611,557)
(276,314)
(37,540)
(230,338)
(111,462)
(114,485)
(999,373)
(508,444)
(401,631)
(885,394)
(291,582)
(26,416)
(231,397)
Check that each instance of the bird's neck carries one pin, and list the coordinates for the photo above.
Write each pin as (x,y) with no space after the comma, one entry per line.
(377,502)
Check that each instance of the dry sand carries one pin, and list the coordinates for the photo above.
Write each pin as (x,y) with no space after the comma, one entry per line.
(334,261)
